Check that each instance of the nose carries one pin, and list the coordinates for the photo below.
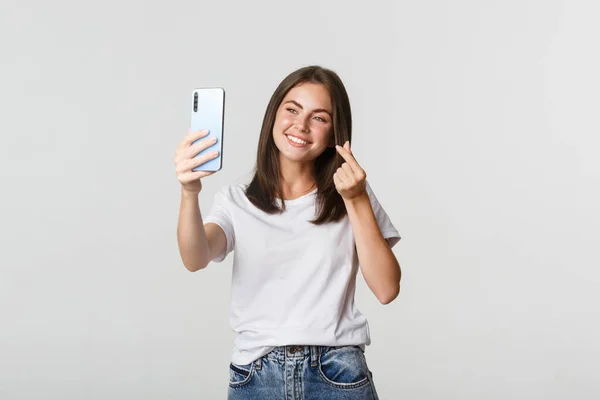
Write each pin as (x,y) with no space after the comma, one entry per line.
(302,125)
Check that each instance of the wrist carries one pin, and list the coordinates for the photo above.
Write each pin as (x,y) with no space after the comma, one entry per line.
(190,194)
(358,200)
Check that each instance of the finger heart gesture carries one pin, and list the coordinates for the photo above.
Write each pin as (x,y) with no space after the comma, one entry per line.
(350,178)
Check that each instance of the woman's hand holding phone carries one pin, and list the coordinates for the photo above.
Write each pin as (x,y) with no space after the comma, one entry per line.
(185,160)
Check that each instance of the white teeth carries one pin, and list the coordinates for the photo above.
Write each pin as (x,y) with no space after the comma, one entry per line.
(296,140)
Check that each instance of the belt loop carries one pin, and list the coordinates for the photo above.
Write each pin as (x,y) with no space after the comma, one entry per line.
(314,356)
(258,364)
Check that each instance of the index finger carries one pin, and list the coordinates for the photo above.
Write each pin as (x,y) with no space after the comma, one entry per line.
(193,135)
(348,158)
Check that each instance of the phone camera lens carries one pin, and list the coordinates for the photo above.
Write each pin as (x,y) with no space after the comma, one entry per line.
(195,101)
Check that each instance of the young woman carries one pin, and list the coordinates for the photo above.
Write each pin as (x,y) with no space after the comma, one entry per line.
(299,232)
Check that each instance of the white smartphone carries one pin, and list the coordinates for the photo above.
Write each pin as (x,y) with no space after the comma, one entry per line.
(208,112)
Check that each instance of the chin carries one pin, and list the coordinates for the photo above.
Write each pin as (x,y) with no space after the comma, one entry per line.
(297,158)
(294,155)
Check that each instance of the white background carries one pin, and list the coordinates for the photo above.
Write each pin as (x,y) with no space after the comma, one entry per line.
(476,121)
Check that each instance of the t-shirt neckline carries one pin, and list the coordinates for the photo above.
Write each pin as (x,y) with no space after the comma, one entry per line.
(300,199)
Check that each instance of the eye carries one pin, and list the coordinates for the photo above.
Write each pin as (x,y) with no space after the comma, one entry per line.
(291,110)
(320,119)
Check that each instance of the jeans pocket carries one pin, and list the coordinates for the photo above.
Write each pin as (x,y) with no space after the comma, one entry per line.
(240,375)
(344,367)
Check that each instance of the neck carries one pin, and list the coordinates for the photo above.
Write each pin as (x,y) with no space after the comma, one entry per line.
(297,178)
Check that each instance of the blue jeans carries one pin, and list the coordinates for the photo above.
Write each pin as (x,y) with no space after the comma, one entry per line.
(304,373)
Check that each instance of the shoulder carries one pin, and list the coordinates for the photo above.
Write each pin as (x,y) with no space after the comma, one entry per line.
(232,190)
(234,193)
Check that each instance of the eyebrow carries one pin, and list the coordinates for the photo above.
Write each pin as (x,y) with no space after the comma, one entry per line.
(316,111)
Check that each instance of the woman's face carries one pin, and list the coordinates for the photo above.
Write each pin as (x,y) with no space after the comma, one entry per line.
(303,124)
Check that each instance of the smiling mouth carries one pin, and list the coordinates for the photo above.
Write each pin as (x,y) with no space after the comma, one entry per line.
(297,141)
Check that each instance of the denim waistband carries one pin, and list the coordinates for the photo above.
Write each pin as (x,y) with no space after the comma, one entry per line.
(281,353)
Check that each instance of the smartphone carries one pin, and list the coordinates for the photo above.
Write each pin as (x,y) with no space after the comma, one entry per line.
(208,112)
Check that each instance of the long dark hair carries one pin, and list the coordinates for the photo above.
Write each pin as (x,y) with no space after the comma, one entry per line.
(265,186)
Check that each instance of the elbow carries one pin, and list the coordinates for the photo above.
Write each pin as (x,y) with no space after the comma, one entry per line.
(193,267)
(389,295)
(194,261)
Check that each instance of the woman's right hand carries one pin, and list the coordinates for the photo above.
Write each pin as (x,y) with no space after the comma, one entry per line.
(185,161)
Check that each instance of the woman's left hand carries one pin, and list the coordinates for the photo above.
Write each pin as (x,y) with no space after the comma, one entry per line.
(350,178)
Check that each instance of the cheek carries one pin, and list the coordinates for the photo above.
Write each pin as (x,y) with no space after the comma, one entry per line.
(282,123)
(324,133)
(286,121)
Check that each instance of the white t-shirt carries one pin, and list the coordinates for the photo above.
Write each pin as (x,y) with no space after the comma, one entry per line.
(293,282)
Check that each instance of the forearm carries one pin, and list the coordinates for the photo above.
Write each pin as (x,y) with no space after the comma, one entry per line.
(378,263)
(191,235)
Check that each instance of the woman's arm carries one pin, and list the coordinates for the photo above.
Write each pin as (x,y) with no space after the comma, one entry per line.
(198,243)
(378,263)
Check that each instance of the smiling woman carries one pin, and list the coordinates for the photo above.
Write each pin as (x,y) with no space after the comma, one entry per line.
(299,232)
(308,114)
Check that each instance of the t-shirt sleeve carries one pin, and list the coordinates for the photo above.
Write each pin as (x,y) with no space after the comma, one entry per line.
(220,214)
(387,228)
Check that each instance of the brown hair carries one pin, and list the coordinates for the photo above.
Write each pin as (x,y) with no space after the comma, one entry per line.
(265,186)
